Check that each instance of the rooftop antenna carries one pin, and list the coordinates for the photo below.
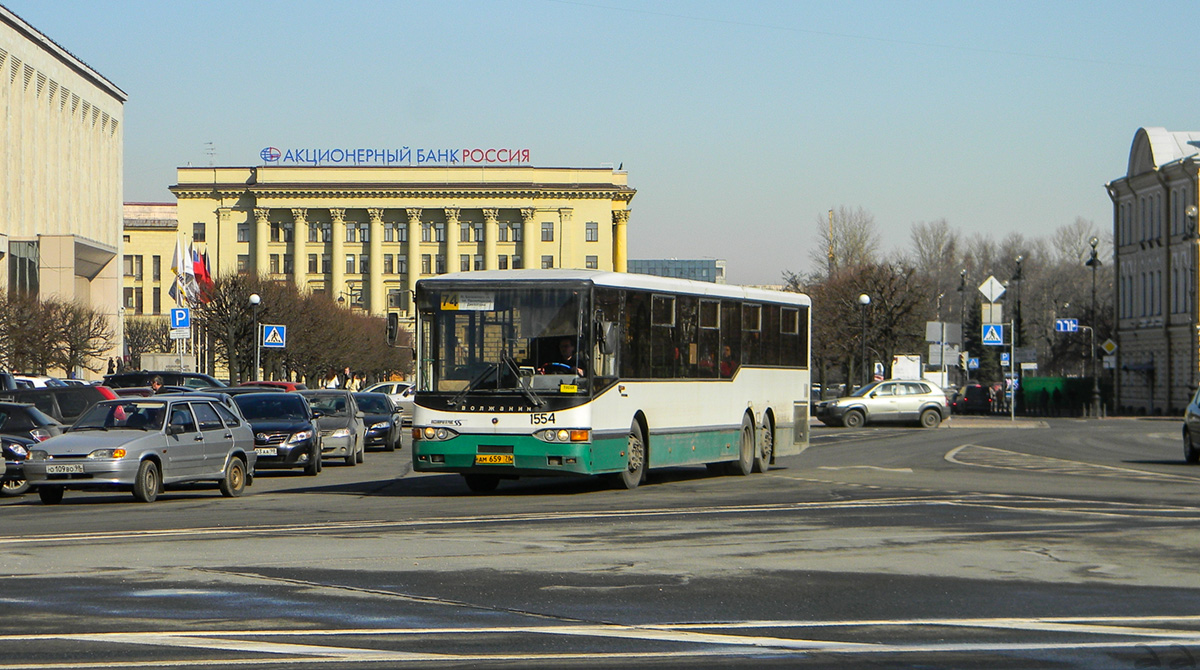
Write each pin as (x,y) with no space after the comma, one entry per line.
(210,150)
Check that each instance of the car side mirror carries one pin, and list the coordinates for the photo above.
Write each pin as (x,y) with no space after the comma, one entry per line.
(606,337)
(174,429)
(360,414)
(317,414)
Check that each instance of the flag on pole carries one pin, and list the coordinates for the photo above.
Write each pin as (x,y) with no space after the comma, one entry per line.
(204,280)
(176,291)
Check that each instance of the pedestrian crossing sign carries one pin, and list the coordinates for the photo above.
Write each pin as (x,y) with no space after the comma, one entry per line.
(274,336)
(993,334)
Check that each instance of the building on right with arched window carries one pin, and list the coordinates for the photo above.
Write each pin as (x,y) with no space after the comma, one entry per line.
(1155,246)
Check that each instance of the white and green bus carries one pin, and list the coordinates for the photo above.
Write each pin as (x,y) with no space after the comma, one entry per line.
(579,372)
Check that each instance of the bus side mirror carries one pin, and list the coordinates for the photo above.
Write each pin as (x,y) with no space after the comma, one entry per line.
(606,337)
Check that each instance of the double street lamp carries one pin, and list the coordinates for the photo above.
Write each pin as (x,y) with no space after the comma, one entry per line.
(1094,263)
(254,301)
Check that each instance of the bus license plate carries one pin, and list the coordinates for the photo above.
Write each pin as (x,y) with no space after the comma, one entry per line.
(493,459)
(72,469)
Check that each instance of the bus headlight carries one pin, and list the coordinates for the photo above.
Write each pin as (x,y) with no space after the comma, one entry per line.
(564,435)
(435,434)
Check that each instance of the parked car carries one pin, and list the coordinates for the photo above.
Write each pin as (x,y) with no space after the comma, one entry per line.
(37,381)
(1191,430)
(975,399)
(892,400)
(195,380)
(63,403)
(286,434)
(402,394)
(8,382)
(15,450)
(285,385)
(341,424)
(144,444)
(27,422)
(383,419)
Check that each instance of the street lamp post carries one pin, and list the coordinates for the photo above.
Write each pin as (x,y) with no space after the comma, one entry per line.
(1094,263)
(254,301)
(1016,334)
(962,318)
(864,300)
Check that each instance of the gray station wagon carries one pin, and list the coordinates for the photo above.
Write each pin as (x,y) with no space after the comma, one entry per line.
(144,444)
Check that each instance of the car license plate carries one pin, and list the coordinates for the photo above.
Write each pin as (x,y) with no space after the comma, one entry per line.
(266,451)
(493,459)
(72,469)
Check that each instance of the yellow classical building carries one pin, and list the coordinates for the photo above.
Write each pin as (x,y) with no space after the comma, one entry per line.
(365,235)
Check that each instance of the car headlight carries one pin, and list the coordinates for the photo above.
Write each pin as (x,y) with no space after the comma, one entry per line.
(382,425)
(340,432)
(107,453)
(831,403)
(38,455)
(19,449)
(300,437)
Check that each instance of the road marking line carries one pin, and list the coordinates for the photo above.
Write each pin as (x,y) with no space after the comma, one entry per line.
(864,467)
(1015,460)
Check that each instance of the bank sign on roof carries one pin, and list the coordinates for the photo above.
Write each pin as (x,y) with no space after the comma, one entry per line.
(401,156)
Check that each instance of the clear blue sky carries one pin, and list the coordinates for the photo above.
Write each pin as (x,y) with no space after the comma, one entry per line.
(740,123)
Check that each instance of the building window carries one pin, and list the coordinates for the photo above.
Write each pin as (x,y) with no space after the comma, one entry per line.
(439,262)
(478,261)
(396,299)
(364,264)
(479,232)
(425,235)
(275,234)
(389,232)
(547,231)
(313,235)
(274,264)
(326,263)
(157,300)
(349,264)
(243,263)
(351,232)
(403,230)
(365,232)
(502,232)
(518,232)
(464,232)
(401,265)
(547,262)
(387,264)
(23,263)
(591,232)
(592,262)
(289,264)
(425,264)
(502,262)
(326,232)
(198,231)
(127,265)
(313,268)
(518,263)
(464,263)
(439,232)
(127,297)
(243,232)
(289,230)
(156,269)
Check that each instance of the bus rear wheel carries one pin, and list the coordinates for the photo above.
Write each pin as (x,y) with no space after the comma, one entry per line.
(762,462)
(744,465)
(635,455)
(482,483)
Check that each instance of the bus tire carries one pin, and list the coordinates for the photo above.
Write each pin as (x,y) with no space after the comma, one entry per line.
(635,458)
(762,462)
(744,465)
(482,483)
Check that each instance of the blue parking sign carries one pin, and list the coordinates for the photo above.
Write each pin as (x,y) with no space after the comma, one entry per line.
(181,317)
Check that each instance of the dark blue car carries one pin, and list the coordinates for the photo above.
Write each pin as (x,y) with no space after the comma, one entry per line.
(285,430)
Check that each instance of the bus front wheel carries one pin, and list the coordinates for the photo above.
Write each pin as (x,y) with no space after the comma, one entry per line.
(635,463)
(482,483)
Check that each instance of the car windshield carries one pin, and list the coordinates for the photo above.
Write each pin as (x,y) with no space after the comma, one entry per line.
(376,404)
(127,415)
(271,406)
(329,404)
(865,390)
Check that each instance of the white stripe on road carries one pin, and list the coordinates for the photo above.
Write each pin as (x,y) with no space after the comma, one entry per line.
(1004,459)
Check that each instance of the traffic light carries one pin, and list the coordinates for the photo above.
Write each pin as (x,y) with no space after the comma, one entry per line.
(963,359)
(393,329)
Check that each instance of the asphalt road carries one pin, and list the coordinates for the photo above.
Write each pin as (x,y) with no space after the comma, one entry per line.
(985,544)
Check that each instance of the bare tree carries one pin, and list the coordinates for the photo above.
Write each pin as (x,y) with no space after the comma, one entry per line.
(84,336)
(847,238)
(146,334)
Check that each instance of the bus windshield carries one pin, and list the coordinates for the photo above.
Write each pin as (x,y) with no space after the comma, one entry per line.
(528,341)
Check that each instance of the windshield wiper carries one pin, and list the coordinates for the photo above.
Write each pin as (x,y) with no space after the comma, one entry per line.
(462,395)
(521,382)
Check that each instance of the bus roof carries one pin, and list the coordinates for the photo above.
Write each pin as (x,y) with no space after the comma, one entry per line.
(627,280)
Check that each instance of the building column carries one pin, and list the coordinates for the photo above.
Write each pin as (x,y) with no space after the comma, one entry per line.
(378,301)
(300,248)
(262,231)
(620,248)
(561,238)
(491,231)
(414,254)
(452,223)
(530,236)
(337,256)
(223,263)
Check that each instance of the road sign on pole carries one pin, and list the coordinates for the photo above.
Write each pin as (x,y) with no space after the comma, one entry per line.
(274,337)
(991,289)
(181,317)
(1066,325)
(1004,360)
(993,334)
